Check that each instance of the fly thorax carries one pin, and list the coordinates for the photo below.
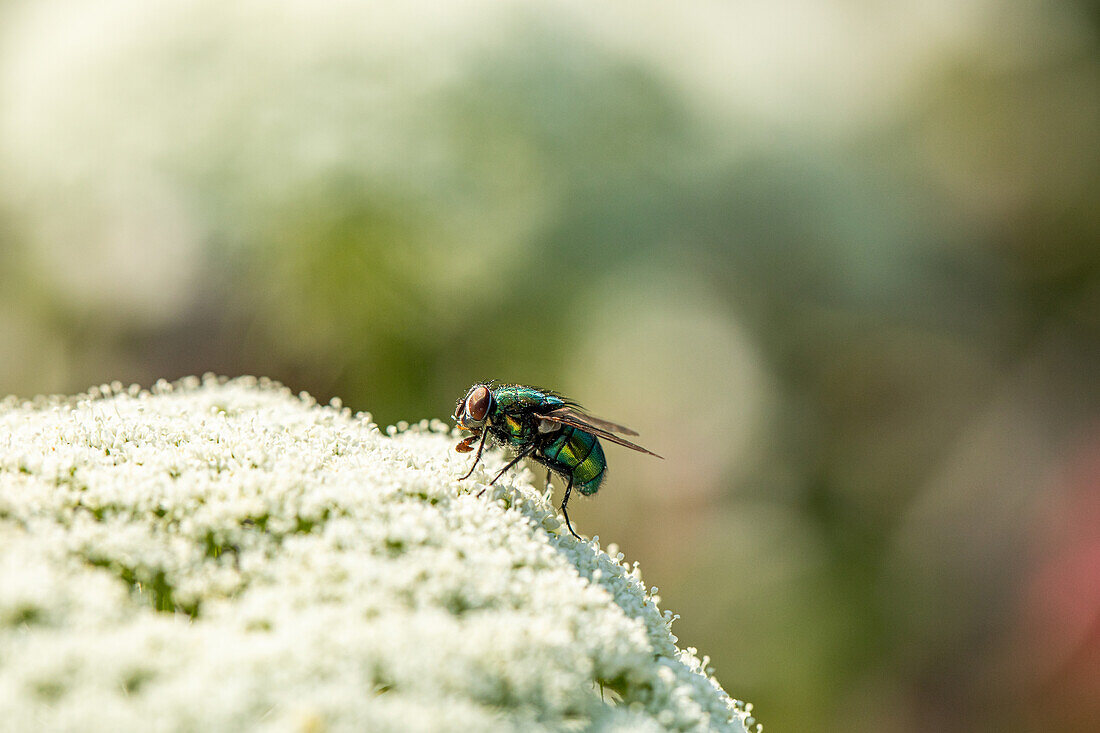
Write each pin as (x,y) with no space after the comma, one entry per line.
(513,426)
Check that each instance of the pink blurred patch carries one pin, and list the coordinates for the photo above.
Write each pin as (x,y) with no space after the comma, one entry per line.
(1056,657)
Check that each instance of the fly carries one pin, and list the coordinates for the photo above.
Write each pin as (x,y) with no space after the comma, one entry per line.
(543,426)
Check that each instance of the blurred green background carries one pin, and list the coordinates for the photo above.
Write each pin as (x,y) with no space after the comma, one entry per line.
(838,261)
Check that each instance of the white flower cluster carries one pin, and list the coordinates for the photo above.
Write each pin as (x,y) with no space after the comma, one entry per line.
(222,555)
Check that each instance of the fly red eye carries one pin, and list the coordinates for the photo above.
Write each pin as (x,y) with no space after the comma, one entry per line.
(477,403)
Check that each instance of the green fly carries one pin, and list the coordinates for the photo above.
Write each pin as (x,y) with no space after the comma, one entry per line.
(544,426)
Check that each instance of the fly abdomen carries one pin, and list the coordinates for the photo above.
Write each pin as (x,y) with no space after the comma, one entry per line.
(579,454)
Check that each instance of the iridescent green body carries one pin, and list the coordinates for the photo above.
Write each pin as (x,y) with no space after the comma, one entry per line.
(568,451)
(578,453)
(538,424)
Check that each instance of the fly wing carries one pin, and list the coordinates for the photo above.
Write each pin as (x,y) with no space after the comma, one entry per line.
(575,410)
(607,425)
(601,428)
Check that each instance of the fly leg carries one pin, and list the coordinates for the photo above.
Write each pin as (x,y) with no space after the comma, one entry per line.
(477,457)
(514,461)
(564,502)
(517,459)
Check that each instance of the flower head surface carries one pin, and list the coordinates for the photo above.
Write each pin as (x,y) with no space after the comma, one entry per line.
(220,555)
